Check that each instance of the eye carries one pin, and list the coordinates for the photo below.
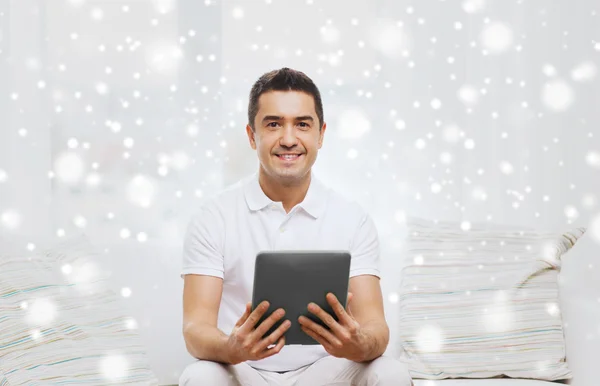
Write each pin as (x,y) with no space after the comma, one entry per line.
(269,124)
(305,124)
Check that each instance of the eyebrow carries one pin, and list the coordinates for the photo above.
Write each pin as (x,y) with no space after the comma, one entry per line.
(278,118)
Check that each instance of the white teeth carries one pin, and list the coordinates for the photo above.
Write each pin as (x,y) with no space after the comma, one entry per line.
(291,156)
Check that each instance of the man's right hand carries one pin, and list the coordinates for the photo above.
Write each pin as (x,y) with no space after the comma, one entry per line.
(246,343)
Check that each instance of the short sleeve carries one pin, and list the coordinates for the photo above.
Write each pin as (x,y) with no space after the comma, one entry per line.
(203,244)
(365,249)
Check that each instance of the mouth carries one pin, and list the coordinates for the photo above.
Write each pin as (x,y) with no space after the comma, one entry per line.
(289,157)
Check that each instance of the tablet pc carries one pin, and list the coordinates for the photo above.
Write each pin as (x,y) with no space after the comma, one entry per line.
(292,279)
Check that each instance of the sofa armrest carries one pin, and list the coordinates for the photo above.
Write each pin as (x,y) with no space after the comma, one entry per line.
(580,307)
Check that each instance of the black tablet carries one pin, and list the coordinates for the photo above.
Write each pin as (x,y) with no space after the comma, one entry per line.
(292,279)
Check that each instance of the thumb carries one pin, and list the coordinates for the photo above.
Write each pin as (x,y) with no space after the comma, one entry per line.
(246,314)
(350,295)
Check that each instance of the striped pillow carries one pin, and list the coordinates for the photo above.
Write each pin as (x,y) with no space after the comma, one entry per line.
(62,324)
(482,303)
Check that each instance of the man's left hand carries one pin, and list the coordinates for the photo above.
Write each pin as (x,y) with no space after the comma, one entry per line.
(345,338)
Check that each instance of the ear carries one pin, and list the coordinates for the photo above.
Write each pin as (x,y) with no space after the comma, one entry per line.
(322,134)
(251,138)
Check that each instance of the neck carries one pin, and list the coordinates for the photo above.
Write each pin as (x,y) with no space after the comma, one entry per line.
(288,193)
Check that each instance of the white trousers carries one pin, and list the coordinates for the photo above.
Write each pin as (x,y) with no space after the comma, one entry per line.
(330,371)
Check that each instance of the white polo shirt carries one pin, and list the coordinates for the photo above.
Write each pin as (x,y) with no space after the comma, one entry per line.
(227,232)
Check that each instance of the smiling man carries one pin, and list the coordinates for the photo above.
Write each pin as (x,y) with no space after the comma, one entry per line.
(282,206)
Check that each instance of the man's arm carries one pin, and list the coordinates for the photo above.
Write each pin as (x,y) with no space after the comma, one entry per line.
(367,308)
(201,300)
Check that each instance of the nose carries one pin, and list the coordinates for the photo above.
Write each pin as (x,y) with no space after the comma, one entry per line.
(288,137)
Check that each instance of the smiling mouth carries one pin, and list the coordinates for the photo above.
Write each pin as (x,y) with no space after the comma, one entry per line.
(289,157)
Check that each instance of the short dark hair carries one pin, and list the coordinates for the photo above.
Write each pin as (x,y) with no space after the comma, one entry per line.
(284,79)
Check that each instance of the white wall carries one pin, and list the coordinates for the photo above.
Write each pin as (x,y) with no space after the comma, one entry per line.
(524,91)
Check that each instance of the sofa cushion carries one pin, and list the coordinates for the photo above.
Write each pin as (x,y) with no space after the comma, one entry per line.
(61,323)
(482,302)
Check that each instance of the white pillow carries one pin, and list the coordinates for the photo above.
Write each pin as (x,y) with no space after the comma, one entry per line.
(482,303)
(62,324)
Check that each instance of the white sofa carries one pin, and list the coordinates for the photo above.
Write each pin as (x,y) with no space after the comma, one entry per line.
(156,302)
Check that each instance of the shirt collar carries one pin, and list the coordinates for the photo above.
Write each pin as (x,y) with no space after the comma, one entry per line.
(314,202)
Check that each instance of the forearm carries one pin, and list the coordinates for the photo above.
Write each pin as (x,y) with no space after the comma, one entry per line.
(207,342)
(376,335)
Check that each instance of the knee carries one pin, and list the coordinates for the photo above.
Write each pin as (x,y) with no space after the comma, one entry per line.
(391,371)
(206,373)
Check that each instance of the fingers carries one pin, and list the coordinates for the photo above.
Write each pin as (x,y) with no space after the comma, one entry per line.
(324,342)
(274,337)
(338,308)
(267,324)
(275,349)
(332,337)
(247,340)
(255,316)
(326,318)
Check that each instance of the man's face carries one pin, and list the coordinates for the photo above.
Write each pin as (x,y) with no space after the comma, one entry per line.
(287,136)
